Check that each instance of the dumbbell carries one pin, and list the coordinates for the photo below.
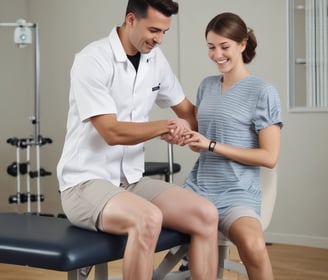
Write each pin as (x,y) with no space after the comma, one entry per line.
(13,141)
(14,198)
(42,172)
(23,198)
(45,140)
(34,197)
(21,143)
(12,168)
(24,142)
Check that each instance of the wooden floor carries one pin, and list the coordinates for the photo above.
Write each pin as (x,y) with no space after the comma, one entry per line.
(289,263)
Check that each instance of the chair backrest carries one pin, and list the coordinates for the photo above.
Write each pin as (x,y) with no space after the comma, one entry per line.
(269,190)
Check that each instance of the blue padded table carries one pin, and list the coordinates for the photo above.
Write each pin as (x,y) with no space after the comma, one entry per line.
(53,243)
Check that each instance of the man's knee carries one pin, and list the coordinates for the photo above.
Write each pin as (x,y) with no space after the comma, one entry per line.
(148,224)
(153,220)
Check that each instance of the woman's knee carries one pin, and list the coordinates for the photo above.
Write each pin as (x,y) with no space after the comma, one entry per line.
(253,248)
(208,215)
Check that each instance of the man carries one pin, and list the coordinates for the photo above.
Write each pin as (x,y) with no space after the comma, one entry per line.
(114,83)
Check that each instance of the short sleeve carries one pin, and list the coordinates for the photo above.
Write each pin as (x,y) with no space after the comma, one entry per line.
(268,110)
(88,85)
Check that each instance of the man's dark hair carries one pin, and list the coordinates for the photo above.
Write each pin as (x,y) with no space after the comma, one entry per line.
(140,7)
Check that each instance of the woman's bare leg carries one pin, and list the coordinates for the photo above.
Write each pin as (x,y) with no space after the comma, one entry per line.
(246,233)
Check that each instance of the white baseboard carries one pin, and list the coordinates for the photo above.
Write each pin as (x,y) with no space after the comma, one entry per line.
(295,239)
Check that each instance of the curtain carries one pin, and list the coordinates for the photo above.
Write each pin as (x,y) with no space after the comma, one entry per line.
(316,22)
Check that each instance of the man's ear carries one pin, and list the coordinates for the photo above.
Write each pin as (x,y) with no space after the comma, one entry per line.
(130,19)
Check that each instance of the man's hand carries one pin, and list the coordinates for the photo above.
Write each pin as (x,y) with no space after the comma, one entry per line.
(176,135)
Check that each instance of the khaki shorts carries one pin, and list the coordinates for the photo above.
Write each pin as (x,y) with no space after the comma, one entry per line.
(83,203)
(233,214)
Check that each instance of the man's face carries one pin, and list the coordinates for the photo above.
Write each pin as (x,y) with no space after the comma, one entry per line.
(146,33)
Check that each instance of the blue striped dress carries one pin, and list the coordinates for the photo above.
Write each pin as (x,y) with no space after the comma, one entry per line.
(233,118)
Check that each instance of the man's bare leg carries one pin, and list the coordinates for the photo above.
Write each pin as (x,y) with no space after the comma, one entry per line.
(185,211)
(129,214)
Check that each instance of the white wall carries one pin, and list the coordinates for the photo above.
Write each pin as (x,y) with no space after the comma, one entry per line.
(66,26)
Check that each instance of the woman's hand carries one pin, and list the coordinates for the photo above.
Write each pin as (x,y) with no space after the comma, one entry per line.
(195,140)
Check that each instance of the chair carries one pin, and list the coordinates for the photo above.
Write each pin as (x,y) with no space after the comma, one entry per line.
(269,189)
(166,169)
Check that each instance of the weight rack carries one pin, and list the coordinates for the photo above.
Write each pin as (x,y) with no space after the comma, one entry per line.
(23,37)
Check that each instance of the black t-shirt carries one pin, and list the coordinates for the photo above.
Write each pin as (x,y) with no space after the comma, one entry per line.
(135,59)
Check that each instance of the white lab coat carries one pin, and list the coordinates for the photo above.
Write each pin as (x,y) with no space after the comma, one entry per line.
(104,81)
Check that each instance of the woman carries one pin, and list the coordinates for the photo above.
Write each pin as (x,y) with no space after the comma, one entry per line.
(239,126)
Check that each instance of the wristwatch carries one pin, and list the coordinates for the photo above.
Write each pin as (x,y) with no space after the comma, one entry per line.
(211,146)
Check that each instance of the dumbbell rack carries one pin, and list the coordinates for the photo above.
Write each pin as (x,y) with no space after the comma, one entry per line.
(37,140)
(19,168)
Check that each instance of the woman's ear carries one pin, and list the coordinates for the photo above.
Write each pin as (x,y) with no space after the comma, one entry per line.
(243,44)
